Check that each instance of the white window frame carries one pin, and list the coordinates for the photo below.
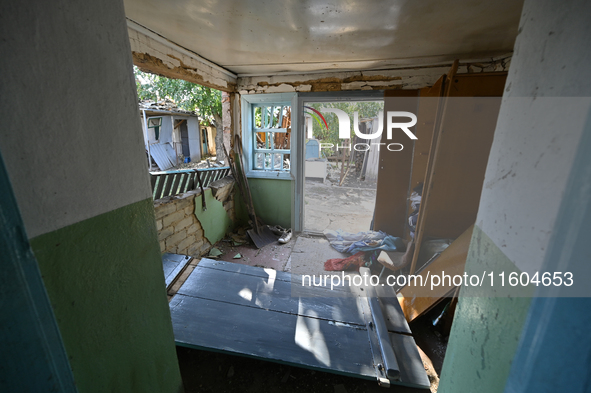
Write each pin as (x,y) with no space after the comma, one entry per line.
(248,135)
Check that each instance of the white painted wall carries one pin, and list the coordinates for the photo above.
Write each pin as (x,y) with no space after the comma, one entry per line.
(71,137)
(194,139)
(166,129)
(546,102)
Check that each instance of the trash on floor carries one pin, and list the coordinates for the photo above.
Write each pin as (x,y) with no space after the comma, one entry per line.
(354,262)
(366,248)
(363,241)
(214,253)
(415,301)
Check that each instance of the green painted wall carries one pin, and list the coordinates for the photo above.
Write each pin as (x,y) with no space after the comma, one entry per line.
(214,220)
(487,326)
(272,200)
(105,282)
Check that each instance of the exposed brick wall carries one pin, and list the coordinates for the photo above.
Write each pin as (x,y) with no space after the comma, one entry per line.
(179,230)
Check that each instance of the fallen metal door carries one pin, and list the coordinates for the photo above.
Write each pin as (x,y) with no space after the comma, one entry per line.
(269,315)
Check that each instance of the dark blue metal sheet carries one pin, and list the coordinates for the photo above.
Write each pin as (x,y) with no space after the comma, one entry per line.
(271,293)
(263,273)
(250,311)
(271,335)
(393,314)
(173,265)
(395,321)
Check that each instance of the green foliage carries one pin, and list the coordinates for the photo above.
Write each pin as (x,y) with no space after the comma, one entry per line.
(366,109)
(206,102)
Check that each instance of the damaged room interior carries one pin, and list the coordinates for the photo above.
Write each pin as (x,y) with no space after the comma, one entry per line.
(327,196)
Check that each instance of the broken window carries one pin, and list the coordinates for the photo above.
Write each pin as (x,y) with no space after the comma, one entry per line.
(271,130)
(266,135)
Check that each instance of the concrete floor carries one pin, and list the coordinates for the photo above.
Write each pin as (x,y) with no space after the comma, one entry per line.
(310,253)
(332,207)
(274,255)
(302,255)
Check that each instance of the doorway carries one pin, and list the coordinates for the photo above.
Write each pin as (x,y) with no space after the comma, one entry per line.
(340,164)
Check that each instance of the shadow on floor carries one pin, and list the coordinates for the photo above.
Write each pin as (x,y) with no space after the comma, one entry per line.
(220,373)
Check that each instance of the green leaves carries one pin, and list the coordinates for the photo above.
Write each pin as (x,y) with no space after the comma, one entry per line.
(206,102)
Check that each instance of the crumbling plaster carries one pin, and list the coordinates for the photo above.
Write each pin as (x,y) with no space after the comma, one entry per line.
(165,58)
(180,231)
(402,78)
(154,54)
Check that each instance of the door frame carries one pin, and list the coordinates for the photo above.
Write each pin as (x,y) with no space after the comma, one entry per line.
(298,210)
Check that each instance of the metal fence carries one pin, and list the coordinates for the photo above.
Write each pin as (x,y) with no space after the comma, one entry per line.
(176,182)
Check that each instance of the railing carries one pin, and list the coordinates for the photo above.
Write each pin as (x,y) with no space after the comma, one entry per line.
(176,182)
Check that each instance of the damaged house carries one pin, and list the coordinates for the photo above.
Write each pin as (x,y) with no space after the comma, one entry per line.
(171,133)
(486,116)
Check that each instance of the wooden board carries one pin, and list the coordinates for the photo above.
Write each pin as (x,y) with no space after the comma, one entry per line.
(429,102)
(394,168)
(415,301)
(249,311)
(429,105)
(462,154)
(458,156)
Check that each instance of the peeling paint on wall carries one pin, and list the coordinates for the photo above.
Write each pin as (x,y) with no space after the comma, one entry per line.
(155,57)
(214,220)
(402,78)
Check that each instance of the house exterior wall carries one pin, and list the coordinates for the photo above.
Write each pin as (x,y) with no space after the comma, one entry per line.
(544,111)
(67,95)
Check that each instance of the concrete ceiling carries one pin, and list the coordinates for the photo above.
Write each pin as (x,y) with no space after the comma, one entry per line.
(249,37)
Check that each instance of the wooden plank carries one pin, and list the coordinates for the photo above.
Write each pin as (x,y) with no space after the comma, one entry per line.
(462,154)
(440,114)
(153,179)
(428,105)
(395,320)
(173,289)
(168,179)
(204,176)
(180,187)
(191,182)
(407,353)
(257,272)
(211,177)
(415,301)
(394,169)
(175,184)
(286,338)
(159,187)
(393,315)
(269,335)
(173,265)
(458,156)
(429,102)
(272,294)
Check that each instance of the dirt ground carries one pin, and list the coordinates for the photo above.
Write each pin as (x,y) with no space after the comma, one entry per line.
(349,207)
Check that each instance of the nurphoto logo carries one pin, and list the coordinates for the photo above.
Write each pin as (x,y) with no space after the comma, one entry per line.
(345,127)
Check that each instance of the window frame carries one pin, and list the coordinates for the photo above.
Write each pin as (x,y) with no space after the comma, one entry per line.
(248,103)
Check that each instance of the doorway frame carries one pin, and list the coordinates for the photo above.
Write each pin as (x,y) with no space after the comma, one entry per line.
(298,210)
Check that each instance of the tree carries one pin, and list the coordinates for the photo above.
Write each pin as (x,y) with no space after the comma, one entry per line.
(206,102)
(365,109)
